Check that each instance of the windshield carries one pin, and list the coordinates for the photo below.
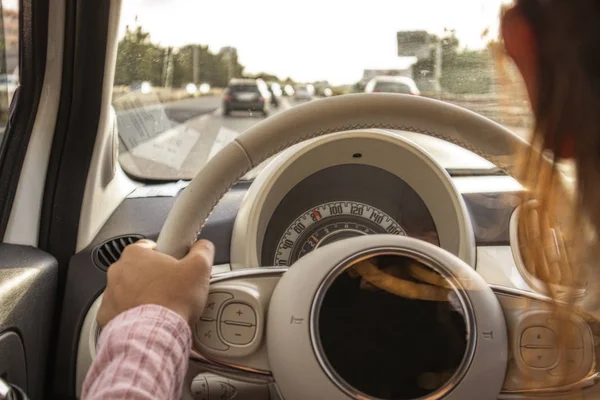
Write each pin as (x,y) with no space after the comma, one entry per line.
(177,100)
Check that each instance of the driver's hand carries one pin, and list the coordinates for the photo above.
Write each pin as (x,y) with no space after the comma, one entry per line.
(145,276)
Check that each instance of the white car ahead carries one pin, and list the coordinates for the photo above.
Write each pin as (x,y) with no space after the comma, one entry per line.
(392,84)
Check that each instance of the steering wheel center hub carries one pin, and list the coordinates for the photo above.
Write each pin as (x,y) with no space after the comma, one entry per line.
(404,324)
(385,317)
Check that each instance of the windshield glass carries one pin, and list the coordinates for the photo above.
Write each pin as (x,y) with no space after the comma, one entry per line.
(177,58)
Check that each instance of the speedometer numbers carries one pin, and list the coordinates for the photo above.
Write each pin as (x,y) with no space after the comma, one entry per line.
(328,223)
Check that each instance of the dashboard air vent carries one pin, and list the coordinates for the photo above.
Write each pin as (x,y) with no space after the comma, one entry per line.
(109,252)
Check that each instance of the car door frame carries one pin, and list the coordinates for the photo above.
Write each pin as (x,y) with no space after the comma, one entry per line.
(27,274)
(33,41)
(77,125)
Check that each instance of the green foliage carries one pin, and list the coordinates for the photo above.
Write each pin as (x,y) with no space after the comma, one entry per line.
(183,72)
(230,63)
(358,87)
(215,69)
(138,59)
(264,76)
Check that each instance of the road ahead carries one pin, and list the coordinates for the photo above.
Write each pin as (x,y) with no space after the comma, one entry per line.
(174,140)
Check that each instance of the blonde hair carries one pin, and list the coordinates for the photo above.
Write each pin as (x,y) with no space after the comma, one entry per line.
(559,219)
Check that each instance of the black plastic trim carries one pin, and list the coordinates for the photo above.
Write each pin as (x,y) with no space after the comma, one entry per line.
(60,130)
(490,216)
(85,282)
(76,129)
(33,41)
(13,368)
(109,251)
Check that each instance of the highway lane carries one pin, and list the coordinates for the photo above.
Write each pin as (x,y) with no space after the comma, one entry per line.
(174,140)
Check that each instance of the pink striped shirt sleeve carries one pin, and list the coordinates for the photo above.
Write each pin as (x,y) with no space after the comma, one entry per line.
(141,354)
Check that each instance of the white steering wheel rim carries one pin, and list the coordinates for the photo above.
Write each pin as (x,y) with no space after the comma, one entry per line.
(457,125)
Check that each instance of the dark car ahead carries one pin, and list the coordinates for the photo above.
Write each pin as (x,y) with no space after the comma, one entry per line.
(247,95)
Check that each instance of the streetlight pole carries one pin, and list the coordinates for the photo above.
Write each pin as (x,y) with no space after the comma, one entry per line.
(169,78)
(229,61)
(196,64)
(165,67)
(437,69)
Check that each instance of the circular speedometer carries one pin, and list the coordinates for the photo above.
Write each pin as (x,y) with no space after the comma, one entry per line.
(328,223)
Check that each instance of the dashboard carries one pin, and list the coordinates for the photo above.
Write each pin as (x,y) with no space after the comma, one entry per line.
(314,194)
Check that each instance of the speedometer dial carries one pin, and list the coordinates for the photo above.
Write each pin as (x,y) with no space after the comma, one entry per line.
(328,223)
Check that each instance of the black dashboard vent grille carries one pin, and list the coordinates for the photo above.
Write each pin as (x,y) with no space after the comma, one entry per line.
(109,252)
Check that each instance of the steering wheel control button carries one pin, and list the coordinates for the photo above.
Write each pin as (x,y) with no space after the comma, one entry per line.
(213,304)
(542,358)
(238,323)
(236,333)
(206,333)
(239,313)
(199,388)
(538,347)
(538,336)
(208,386)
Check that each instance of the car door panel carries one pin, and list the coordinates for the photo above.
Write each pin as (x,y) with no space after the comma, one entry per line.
(28,279)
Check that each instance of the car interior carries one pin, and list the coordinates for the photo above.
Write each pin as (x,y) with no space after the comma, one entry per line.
(366,243)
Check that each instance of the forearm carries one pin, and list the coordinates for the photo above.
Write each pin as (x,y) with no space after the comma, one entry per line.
(142,354)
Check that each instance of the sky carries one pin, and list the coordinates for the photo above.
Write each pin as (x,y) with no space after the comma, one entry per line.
(10,4)
(309,40)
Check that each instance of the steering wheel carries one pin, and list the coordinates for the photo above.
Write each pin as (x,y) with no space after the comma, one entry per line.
(263,324)
(321,117)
